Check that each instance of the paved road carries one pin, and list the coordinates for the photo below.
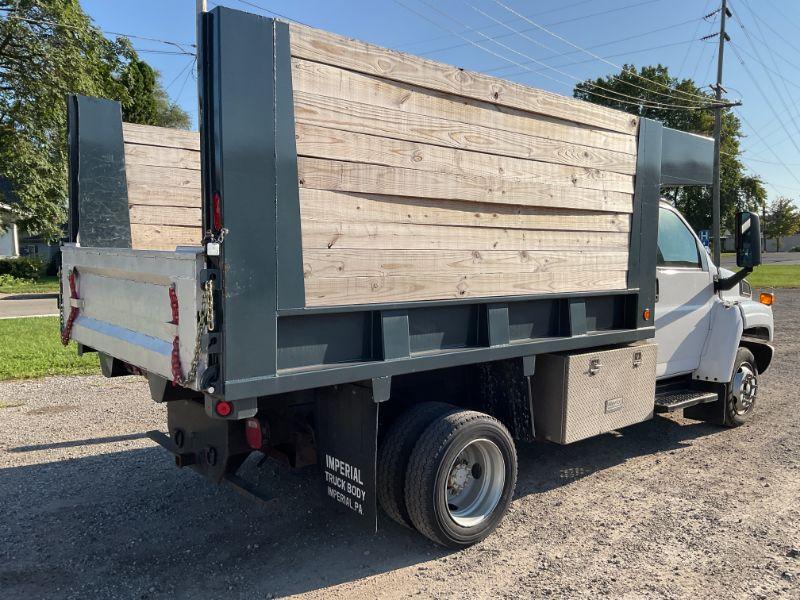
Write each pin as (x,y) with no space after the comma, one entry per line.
(27,305)
(669,508)
(768,258)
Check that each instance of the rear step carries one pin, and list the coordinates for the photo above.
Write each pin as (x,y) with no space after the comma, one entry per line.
(677,399)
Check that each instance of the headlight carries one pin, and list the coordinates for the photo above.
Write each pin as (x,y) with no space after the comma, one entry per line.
(745,289)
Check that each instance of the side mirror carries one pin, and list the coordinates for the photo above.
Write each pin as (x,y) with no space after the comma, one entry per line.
(748,240)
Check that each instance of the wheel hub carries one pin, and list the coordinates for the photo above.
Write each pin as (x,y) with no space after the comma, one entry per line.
(745,387)
(474,483)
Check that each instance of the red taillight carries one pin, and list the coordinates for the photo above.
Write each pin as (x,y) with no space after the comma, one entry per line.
(254,434)
(224,408)
(217,207)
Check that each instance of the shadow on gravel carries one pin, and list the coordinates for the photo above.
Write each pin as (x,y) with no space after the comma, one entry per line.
(78,443)
(545,466)
(128,524)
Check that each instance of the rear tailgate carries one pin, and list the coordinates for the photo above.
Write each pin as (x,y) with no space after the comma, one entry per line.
(124,304)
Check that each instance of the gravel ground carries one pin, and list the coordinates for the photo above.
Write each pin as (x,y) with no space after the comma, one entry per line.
(665,509)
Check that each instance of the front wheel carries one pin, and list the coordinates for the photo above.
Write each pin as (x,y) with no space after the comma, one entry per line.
(742,390)
(460,478)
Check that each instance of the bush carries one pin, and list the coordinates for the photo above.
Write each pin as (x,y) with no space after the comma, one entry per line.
(7,280)
(22,268)
(795,249)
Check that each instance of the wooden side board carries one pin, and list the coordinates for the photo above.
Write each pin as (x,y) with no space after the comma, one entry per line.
(422,181)
(162,167)
(340,207)
(331,49)
(376,120)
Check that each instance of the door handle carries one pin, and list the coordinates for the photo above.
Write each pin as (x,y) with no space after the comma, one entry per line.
(657,289)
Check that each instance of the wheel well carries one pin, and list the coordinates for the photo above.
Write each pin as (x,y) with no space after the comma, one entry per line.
(497,388)
(761,333)
(762,352)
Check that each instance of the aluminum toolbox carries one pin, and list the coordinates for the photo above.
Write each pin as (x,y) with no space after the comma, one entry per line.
(576,396)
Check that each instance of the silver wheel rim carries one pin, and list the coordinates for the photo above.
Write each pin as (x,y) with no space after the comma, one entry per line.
(745,387)
(474,482)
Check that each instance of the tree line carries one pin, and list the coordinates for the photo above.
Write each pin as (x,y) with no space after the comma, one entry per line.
(48,49)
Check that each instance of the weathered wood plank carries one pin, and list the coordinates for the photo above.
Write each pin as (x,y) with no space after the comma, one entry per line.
(357,290)
(162,195)
(165,215)
(325,235)
(160,156)
(328,48)
(366,118)
(378,263)
(325,205)
(322,142)
(333,82)
(150,135)
(377,179)
(163,237)
(156,176)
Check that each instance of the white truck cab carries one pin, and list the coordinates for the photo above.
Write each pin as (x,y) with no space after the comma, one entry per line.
(706,334)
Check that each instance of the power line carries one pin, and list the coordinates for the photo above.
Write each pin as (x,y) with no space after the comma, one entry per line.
(617,41)
(765,96)
(178,45)
(770,148)
(272,12)
(539,14)
(777,33)
(594,56)
(769,75)
(696,32)
(637,101)
(181,72)
(589,60)
(553,24)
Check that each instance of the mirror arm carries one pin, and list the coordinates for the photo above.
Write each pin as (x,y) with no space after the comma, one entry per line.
(729,282)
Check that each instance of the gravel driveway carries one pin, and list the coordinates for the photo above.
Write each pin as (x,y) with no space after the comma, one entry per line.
(669,508)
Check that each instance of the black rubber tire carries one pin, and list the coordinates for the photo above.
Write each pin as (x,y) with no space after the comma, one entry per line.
(438,446)
(732,418)
(394,452)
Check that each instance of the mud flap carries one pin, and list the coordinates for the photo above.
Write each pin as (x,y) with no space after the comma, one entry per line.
(347,430)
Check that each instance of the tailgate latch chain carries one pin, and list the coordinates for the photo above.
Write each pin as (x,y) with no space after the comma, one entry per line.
(205,323)
(66,332)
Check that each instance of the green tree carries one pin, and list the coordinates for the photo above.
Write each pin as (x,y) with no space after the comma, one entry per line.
(783,220)
(653,87)
(147,102)
(49,48)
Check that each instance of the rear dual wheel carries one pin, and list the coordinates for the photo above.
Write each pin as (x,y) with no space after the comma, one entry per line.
(458,479)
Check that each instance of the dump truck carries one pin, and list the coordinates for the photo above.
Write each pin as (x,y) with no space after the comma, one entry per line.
(396,270)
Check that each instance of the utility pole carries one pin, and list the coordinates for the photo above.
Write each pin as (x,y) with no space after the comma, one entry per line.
(718,89)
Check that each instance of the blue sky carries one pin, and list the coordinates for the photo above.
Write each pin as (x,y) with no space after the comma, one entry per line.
(763,33)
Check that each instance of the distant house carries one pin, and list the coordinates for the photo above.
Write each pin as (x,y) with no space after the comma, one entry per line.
(14,241)
(9,236)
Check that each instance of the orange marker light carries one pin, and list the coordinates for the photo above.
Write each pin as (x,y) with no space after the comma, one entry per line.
(766,298)
(646,314)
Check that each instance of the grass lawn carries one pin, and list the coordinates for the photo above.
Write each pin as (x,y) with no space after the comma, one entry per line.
(48,283)
(31,347)
(779,276)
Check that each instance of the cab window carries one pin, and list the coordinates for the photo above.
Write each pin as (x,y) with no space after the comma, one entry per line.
(676,243)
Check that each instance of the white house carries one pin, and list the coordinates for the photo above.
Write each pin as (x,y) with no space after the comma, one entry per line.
(9,236)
